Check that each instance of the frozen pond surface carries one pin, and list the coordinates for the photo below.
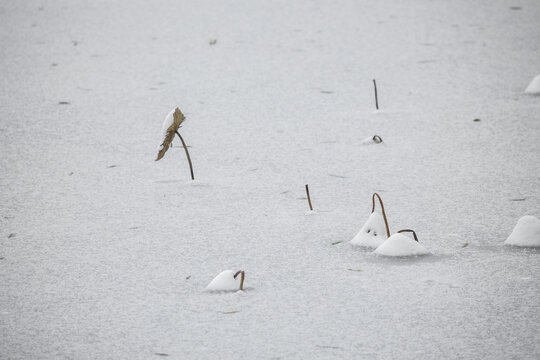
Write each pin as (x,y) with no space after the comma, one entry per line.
(105,253)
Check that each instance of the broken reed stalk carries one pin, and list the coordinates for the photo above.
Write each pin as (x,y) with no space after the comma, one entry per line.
(308,198)
(383,212)
(187,155)
(376,96)
(243,273)
(409,230)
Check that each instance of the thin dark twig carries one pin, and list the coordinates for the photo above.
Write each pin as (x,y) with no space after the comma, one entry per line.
(308,198)
(187,155)
(376,96)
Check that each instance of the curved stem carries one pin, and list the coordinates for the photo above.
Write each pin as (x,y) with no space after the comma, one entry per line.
(187,155)
(383,212)
(243,273)
(308,198)
(409,230)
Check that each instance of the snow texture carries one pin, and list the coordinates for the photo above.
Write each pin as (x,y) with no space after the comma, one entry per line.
(105,253)
(400,245)
(373,233)
(534,86)
(526,233)
(225,281)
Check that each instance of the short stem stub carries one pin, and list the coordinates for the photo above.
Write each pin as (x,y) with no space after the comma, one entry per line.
(187,155)
(376,96)
(243,273)
(383,212)
(409,230)
(308,198)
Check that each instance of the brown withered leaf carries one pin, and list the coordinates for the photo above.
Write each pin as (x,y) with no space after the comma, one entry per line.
(171,131)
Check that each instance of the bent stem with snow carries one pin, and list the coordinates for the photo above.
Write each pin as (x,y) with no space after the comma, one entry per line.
(411,231)
(243,275)
(375,230)
(170,128)
(383,212)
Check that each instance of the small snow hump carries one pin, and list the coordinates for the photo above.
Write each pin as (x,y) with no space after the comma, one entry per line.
(526,233)
(534,86)
(227,280)
(402,246)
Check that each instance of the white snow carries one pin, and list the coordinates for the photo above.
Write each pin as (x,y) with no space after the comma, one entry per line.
(225,281)
(534,86)
(400,245)
(112,262)
(373,233)
(526,233)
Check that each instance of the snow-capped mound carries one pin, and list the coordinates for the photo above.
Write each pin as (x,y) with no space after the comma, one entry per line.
(526,233)
(227,280)
(534,86)
(373,233)
(376,139)
(400,245)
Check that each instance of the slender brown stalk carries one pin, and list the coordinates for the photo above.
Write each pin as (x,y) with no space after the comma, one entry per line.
(383,212)
(187,155)
(376,97)
(308,198)
(243,273)
(409,230)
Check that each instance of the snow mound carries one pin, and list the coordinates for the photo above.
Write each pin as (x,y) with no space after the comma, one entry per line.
(400,245)
(373,233)
(376,139)
(226,281)
(534,86)
(526,233)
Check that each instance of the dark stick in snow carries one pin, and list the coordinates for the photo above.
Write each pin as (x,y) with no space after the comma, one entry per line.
(308,198)
(376,97)
(187,155)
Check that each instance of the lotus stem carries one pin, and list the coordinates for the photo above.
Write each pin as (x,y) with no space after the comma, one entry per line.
(243,273)
(308,198)
(376,97)
(383,212)
(409,230)
(187,155)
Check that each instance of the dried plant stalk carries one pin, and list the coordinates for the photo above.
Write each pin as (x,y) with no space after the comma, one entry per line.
(383,212)
(308,198)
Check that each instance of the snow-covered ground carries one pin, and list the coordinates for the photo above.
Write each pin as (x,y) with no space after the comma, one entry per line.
(105,253)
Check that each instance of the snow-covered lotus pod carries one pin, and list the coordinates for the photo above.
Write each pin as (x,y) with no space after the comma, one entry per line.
(526,233)
(534,86)
(375,139)
(168,130)
(401,245)
(375,231)
(227,280)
